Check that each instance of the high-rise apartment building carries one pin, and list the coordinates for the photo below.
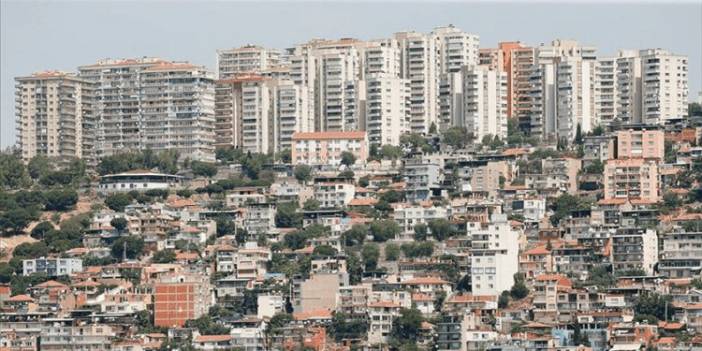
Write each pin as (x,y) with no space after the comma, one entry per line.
(246,59)
(664,87)
(260,114)
(152,104)
(456,48)
(475,98)
(387,108)
(52,116)
(514,59)
(420,64)
(605,90)
(560,91)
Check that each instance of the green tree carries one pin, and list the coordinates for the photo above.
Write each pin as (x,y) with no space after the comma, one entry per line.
(203,169)
(355,235)
(117,202)
(131,245)
(370,254)
(346,174)
(390,152)
(420,231)
(38,166)
(324,251)
(13,173)
(654,304)
(418,249)
(384,230)
(311,205)
(303,173)
(503,301)
(519,290)
(119,223)
(347,158)
(441,229)
(6,273)
(286,216)
(164,256)
(456,137)
(41,230)
(596,167)
(60,199)
(392,252)
(407,327)
(578,135)
(14,221)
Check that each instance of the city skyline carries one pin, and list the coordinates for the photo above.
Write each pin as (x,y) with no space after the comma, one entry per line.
(323,25)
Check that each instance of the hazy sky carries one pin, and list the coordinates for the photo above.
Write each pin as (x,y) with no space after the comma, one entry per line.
(38,36)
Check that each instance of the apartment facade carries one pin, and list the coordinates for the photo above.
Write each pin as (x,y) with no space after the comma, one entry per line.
(53,267)
(149,103)
(387,113)
(246,59)
(636,178)
(181,297)
(643,143)
(494,255)
(325,148)
(634,248)
(52,116)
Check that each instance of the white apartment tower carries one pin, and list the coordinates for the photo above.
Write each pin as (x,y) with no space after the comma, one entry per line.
(260,114)
(52,117)
(245,59)
(560,91)
(420,65)
(628,87)
(387,108)
(292,113)
(152,104)
(484,102)
(338,72)
(606,90)
(494,255)
(664,86)
(456,48)
(574,97)
(382,56)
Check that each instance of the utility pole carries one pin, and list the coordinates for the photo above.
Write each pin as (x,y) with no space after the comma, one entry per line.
(124,251)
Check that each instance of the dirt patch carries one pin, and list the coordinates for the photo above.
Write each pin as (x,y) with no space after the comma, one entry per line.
(8,244)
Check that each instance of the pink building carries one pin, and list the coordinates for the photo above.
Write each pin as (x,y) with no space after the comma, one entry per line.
(633,179)
(641,144)
(325,148)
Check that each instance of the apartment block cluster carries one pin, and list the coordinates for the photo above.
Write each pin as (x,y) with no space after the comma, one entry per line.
(411,82)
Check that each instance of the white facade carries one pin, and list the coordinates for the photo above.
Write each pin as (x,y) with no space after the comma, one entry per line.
(50,116)
(494,256)
(334,195)
(245,59)
(152,104)
(484,102)
(408,217)
(53,267)
(270,305)
(664,86)
(420,64)
(387,109)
